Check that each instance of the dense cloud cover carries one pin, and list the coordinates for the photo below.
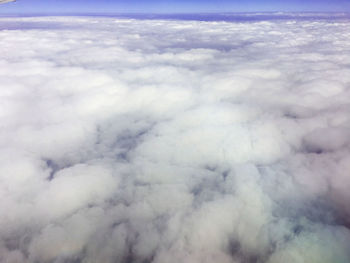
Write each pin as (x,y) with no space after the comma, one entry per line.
(171,141)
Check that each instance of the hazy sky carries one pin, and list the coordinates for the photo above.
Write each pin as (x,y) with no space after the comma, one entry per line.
(169,6)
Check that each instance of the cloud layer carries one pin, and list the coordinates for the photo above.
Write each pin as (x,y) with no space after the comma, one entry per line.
(128,140)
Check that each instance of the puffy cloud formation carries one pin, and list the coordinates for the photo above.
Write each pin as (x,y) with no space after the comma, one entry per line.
(126,140)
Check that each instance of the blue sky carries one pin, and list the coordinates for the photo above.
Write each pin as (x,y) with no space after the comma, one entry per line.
(171,6)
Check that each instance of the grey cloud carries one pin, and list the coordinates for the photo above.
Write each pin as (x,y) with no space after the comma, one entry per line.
(126,140)
(6,1)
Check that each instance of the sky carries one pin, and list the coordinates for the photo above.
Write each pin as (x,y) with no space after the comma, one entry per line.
(171,6)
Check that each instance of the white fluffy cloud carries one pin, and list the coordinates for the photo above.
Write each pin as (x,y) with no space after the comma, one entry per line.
(126,140)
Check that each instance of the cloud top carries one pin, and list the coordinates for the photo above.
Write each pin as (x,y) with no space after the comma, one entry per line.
(126,140)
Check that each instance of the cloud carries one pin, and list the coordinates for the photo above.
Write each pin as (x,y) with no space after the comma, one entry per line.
(6,1)
(126,140)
